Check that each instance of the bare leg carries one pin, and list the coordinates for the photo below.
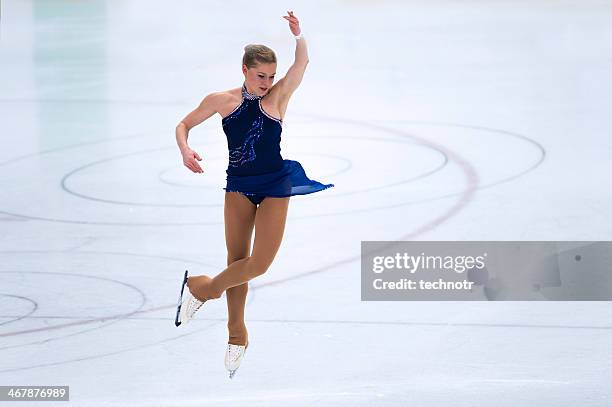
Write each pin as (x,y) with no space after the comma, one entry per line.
(270,219)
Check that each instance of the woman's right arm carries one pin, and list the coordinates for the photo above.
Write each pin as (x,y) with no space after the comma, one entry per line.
(206,109)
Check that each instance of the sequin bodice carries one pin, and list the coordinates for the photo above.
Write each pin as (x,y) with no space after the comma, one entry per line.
(253,138)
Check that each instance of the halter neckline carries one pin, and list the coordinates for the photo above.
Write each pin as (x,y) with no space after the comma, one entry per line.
(247,95)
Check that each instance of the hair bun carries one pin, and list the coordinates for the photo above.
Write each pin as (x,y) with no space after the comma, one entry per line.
(255,54)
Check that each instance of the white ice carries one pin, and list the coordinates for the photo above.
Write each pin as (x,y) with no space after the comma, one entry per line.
(435,120)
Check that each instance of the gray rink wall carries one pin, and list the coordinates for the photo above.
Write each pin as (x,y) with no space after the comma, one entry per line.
(481,271)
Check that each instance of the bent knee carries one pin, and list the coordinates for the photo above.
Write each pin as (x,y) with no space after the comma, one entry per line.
(258,266)
(231,257)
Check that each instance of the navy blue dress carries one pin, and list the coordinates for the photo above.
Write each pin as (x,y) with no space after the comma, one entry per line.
(256,167)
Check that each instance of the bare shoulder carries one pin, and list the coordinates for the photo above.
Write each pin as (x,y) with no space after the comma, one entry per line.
(276,92)
(226,100)
(277,99)
(218,99)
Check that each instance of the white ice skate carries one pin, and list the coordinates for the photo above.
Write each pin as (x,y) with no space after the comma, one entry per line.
(188,307)
(233,357)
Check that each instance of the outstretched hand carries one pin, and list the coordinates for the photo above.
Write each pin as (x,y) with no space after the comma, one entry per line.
(294,23)
(189,160)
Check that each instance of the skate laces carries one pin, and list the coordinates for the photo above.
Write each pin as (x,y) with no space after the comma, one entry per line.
(234,351)
(193,305)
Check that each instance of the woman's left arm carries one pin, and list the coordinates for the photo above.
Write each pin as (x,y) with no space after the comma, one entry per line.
(295,73)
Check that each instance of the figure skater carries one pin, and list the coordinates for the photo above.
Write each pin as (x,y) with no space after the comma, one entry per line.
(259,182)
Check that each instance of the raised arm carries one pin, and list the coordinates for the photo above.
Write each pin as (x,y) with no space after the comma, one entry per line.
(206,109)
(294,75)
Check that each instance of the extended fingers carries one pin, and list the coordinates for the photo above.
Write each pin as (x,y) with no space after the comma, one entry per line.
(291,16)
(193,165)
(293,23)
(197,166)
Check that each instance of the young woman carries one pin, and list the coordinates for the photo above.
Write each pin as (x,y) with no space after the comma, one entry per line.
(259,181)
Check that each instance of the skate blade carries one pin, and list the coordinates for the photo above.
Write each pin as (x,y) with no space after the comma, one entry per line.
(233,372)
(177,322)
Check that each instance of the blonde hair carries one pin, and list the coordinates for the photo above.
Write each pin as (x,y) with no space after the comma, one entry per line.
(254,54)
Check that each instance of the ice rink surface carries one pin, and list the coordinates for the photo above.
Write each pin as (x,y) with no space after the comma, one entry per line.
(435,120)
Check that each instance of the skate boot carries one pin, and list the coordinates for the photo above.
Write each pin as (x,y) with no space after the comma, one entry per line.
(188,307)
(233,357)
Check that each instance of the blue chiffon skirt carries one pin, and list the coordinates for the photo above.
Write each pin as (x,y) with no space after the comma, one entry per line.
(290,180)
